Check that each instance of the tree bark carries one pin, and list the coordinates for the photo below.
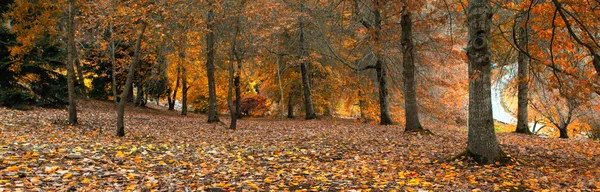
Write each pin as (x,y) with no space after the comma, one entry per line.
(410,94)
(113,63)
(290,114)
(308,104)
(384,109)
(482,143)
(232,108)
(172,100)
(210,69)
(279,72)
(114,76)
(139,99)
(563,133)
(238,90)
(128,83)
(184,86)
(523,77)
(70,63)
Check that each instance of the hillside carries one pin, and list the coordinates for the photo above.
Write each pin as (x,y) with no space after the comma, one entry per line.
(164,151)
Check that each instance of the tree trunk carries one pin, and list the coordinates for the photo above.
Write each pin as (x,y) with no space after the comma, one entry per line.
(279,72)
(410,94)
(113,69)
(70,63)
(113,63)
(384,109)
(128,83)
(238,90)
(563,132)
(290,114)
(308,104)
(139,99)
(184,87)
(523,77)
(174,98)
(362,106)
(232,110)
(210,69)
(482,143)
(129,98)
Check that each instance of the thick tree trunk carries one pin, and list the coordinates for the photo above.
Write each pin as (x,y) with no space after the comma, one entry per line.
(384,106)
(128,83)
(174,98)
(563,133)
(523,77)
(308,104)
(210,69)
(70,63)
(410,94)
(482,143)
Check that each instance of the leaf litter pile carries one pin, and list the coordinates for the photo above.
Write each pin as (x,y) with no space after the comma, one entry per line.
(167,152)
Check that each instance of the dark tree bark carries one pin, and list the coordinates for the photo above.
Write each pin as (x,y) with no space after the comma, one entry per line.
(482,143)
(563,133)
(410,94)
(290,114)
(232,108)
(375,28)
(184,89)
(238,91)
(523,76)
(384,106)
(70,63)
(184,86)
(171,100)
(308,104)
(128,83)
(210,69)
(129,98)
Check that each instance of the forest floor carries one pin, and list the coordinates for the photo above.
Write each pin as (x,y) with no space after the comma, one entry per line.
(164,151)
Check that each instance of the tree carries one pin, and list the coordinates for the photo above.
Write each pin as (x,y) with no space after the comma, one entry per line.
(128,83)
(482,143)
(308,103)
(71,54)
(210,66)
(410,94)
(523,72)
(374,27)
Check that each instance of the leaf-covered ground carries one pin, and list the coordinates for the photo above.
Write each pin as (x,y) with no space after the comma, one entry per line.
(164,151)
